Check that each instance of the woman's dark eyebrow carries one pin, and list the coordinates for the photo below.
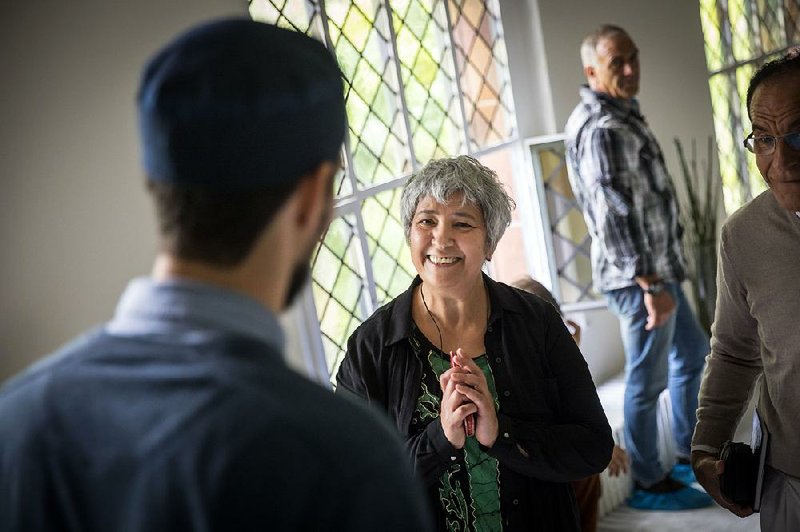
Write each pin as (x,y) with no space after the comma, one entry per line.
(465,214)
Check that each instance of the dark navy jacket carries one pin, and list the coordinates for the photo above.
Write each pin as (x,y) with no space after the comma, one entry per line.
(146,434)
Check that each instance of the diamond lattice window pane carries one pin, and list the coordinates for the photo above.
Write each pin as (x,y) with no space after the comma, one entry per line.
(390,258)
(752,177)
(729,155)
(360,35)
(340,294)
(299,16)
(791,18)
(571,240)
(482,64)
(431,92)
(710,20)
(303,16)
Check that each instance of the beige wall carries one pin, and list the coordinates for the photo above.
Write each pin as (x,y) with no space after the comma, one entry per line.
(75,223)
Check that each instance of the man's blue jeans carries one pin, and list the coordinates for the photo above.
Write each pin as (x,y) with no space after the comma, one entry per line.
(671,356)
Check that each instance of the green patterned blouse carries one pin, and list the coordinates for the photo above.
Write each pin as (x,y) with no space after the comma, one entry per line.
(469,489)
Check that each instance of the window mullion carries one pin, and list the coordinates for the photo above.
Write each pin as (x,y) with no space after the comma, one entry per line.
(726,41)
(544,215)
(791,17)
(364,262)
(733,67)
(348,154)
(734,101)
(457,71)
(401,88)
(345,204)
(725,36)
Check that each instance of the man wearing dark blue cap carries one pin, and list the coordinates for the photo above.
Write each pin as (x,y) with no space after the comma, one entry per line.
(180,413)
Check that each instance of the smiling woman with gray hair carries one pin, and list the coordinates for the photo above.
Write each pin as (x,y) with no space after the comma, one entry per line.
(483,381)
(478,185)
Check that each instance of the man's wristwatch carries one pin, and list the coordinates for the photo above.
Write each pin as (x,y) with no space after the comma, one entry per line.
(655,288)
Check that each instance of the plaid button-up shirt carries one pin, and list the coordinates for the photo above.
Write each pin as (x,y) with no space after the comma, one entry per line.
(620,181)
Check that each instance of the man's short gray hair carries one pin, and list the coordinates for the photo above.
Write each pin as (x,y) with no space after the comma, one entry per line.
(442,178)
(589,44)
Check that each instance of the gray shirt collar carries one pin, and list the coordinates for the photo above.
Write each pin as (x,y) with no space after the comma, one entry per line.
(623,106)
(180,307)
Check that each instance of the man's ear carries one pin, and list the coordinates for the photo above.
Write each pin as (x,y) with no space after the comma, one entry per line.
(589,72)
(315,194)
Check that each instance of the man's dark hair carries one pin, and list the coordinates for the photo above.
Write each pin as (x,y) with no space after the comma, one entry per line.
(789,63)
(215,226)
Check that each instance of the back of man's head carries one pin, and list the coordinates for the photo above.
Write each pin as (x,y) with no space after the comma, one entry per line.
(233,114)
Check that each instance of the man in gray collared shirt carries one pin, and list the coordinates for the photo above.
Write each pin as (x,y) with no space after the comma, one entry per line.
(180,413)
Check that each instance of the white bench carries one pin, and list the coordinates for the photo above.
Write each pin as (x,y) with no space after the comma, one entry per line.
(616,489)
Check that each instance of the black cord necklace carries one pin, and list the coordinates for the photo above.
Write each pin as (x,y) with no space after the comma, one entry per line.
(436,324)
(438,330)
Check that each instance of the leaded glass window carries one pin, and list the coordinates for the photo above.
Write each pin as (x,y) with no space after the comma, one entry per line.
(740,36)
(567,237)
(423,79)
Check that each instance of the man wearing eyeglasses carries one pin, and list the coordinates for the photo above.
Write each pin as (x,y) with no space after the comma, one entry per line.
(757,326)
(620,180)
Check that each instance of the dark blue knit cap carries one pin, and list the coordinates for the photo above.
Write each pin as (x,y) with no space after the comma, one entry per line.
(237,103)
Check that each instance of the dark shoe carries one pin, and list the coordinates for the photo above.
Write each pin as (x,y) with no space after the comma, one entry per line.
(665,485)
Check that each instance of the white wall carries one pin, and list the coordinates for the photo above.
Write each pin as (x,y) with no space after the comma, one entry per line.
(75,223)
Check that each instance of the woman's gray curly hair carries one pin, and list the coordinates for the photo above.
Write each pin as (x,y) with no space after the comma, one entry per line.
(442,178)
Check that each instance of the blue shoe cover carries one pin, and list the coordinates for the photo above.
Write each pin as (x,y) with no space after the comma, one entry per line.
(683,473)
(683,499)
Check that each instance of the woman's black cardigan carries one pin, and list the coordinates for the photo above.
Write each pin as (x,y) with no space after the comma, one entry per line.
(552,428)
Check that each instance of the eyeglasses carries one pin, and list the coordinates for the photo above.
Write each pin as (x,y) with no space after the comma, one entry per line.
(765,144)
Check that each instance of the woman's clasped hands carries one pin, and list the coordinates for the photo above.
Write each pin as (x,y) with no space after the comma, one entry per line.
(465,392)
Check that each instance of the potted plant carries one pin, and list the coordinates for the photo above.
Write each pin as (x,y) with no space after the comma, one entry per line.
(700,196)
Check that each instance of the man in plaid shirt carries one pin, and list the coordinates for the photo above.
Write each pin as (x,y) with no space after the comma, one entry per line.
(619,178)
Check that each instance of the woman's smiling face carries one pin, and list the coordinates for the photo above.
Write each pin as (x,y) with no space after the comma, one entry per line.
(448,241)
